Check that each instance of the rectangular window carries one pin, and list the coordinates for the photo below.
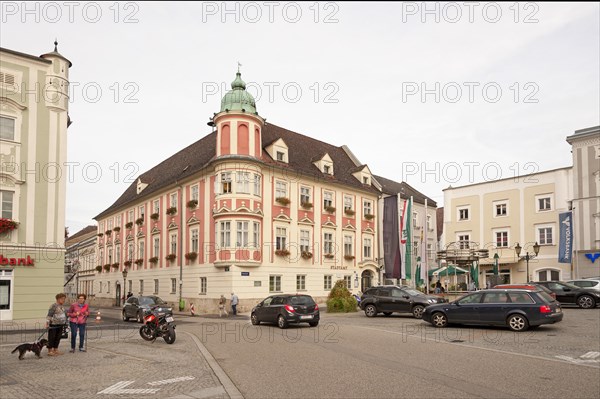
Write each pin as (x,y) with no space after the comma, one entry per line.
(367,208)
(141,248)
(173,285)
(280,190)
(155,286)
(118,222)
(545,236)
(327,199)
(367,248)
(225,231)
(428,222)
(327,169)
(194,193)
(304,195)
(274,283)
(118,253)
(110,224)
(502,239)
(156,249)
(7,204)
(255,234)
(194,238)
(348,246)
(327,282)
(348,281)
(130,252)
(225,182)
(203,285)
(347,203)
(242,234)
(280,238)
(415,219)
(463,214)
(141,287)
(7,128)
(501,210)
(156,206)
(243,182)
(365,180)
(130,218)
(304,241)
(174,200)
(280,156)
(173,244)
(256,184)
(544,204)
(327,243)
(300,282)
(463,241)
(142,210)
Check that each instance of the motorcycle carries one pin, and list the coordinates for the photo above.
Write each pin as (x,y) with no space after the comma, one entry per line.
(158,324)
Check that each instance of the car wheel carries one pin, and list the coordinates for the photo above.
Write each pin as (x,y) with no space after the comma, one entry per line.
(586,302)
(281,323)
(125,317)
(518,322)
(387,314)
(418,311)
(370,310)
(313,323)
(139,318)
(254,319)
(439,320)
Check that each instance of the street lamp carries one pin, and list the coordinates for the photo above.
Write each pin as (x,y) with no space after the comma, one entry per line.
(536,249)
(124,277)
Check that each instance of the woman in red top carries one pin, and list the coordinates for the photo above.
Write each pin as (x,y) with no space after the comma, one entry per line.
(78,314)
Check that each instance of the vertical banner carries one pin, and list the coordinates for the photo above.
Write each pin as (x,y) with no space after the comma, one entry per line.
(424,254)
(406,240)
(565,239)
(391,241)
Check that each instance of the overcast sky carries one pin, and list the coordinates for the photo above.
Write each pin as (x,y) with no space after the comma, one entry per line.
(437,94)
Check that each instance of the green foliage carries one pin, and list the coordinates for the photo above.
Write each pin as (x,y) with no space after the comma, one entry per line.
(340,299)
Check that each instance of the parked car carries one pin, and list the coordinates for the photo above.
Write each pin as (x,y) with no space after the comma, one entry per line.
(286,309)
(135,307)
(517,309)
(530,286)
(566,293)
(388,299)
(587,283)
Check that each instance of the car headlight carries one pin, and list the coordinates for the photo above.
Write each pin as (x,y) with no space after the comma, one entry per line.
(432,300)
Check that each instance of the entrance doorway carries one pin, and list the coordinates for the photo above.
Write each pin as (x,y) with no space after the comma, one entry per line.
(6,294)
(366,280)
(118,294)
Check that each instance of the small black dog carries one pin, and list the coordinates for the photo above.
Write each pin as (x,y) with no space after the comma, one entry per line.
(36,348)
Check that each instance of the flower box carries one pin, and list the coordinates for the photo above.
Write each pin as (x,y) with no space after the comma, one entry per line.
(172,210)
(99,268)
(306,255)
(139,221)
(349,257)
(153,259)
(192,203)
(139,262)
(349,212)
(107,266)
(306,205)
(117,229)
(329,256)
(330,209)
(108,232)
(282,252)
(170,257)
(369,216)
(115,265)
(154,216)
(100,234)
(7,225)
(129,225)
(283,201)
(127,263)
(191,256)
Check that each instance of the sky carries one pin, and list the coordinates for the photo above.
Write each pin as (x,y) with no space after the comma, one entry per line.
(433,94)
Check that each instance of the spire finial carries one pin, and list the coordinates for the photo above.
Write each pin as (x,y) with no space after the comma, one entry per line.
(239,65)
(55,45)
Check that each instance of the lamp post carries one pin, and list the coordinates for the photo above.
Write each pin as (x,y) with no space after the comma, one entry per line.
(124,277)
(536,250)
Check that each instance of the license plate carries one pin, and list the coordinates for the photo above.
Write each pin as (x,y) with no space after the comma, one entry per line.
(306,317)
(169,319)
(558,310)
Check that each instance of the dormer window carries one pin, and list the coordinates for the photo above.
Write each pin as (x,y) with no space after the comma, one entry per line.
(327,169)
(278,150)
(365,180)
(280,156)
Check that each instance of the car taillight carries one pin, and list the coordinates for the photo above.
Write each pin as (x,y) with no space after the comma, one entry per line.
(289,308)
(316,307)
(545,309)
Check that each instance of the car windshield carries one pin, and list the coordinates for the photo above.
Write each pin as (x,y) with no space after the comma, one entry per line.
(546,297)
(301,300)
(151,300)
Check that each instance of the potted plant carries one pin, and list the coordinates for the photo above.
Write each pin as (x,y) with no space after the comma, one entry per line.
(349,257)
(139,221)
(191,256)
(329,256)
(99,268)
(172,210)
(7,225)
(108,232)
(283,201)
(306,255)
(139,262)
(170,257)
(129,225)
(107,266)
(154,216)
(117,229)
(127,263)
(192,203)
(282,252)
(306,205)
(349,212)
(153,259)
(330,209)
(369,216)
(100,234)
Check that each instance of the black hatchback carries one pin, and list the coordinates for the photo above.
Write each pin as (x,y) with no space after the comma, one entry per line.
(135,307)
(567,293)
(388,299)
(285,310)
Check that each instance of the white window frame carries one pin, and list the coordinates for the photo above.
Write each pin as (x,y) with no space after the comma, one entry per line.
(141,282)
(304,241)
(257,185)
(194,240)
(328,243)
(173,242)
(156,246)
(305,196)
(300,282)
(195,192)
(367,207)
(225,183)
(538,236)
(460,238)
(242,182)
(256,234)
(242,233)
(5,213)
(275,283)
(156,286)
(328,199)
(173,285)
(496,205)
(141,249)
(280,238)
(280,189)
(14,128)
(173,200)
(156,206)
(495,233)
(348,246)
(539,197)
(224,232)
(368,247)
(348,202)
(463,208)
(348,281)
(203,285)
(327,282)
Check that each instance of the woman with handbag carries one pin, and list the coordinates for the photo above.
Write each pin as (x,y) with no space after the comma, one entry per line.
(78,314)
(56,322)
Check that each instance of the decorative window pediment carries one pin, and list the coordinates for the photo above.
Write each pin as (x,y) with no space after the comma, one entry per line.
(155,230)
(349,227)
(193,220)
(172,226)
(325,164)
(278,150)
(140,234)
(129,237)
(306,220)
(329,223)
(363,175)
(369,230)
(282,217)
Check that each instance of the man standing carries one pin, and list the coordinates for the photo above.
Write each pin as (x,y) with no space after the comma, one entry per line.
(234,302)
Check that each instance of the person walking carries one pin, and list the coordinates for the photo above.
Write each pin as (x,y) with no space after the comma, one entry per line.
(78,314)
(234,303)
(438,287)
(222,309)
(56,321)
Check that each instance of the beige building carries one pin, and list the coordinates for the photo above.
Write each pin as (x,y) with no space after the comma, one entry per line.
(586,201)
(81,261)
(34,105)
(497,215)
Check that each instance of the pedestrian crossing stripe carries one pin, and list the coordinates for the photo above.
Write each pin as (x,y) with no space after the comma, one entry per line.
(590,355)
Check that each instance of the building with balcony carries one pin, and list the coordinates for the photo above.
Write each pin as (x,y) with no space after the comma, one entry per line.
(81,262)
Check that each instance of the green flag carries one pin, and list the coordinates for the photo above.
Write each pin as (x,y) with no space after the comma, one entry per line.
(475,273)
(418,278)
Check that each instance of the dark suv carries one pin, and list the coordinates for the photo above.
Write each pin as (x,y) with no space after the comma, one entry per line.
(135,307)
(286,309)
(571,294)
(388,299)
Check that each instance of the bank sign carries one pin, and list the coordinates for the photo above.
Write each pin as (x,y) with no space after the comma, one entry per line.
(16,261)
(565,239)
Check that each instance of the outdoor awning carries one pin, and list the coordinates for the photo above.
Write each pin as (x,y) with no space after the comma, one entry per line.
(447,271)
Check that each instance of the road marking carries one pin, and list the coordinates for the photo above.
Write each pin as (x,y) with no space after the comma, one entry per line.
(590,355)
(171,381)
(119,389)
(576,361)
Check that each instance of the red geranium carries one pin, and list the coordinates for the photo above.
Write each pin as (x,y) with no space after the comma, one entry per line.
(7,225)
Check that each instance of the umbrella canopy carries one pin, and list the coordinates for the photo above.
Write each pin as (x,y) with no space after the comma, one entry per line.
(475,273)
(447,271)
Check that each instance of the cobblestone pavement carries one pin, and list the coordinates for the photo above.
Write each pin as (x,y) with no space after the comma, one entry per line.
(117,362)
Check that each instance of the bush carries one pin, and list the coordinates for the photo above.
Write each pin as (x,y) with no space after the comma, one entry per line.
(340,299)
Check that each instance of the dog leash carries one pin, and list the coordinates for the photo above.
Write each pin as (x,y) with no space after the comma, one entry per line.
(43,333)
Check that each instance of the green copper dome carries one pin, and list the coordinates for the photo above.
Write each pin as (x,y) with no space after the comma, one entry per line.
(238,99)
